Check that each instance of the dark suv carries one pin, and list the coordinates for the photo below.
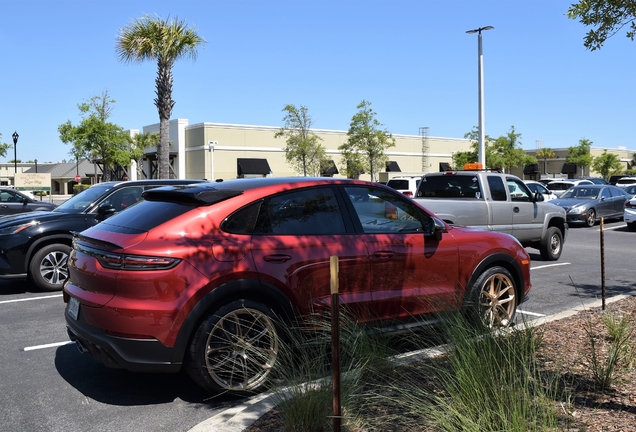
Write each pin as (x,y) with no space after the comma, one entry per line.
(36,245)
(205,276)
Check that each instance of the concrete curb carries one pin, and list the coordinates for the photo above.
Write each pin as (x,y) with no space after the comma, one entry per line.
(238,418)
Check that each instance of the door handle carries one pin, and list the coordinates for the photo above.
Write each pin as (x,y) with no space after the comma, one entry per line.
(383,254)
(277,258)
(515,209)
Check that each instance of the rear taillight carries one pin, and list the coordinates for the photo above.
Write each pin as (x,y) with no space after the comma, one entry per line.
(408,193)
(119,261)
(628,204)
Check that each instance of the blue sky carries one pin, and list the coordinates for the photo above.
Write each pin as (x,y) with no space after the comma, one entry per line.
(411,59)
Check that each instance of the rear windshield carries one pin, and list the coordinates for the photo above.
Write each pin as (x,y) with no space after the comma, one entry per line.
(450,186)
(147,215)
(398,184)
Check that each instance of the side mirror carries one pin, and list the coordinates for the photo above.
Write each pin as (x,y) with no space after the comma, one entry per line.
(538,196)
(104,211)
(438,228)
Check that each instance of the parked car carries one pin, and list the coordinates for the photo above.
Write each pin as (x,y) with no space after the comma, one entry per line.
(205,276)
(630,191)
(36,245)
(625,181)
(536,186)
(586,204)
(406,185)
(558,187)
(13,201)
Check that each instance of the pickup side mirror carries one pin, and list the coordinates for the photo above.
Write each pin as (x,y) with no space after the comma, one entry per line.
(538,196)
(104,211)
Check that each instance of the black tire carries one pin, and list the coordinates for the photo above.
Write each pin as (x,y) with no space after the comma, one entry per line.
(235,348)
(590,220)
(48,268)
(631,226)
(492,300)
(552,245)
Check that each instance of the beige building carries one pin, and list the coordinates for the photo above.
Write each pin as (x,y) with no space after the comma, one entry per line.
(226,151)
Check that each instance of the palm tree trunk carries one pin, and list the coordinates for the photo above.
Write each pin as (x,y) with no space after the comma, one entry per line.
(164,104)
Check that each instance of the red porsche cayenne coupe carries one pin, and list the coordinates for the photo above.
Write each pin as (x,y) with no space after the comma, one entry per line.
(204,276)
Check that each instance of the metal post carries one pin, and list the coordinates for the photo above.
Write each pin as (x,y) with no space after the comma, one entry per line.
(335,344)
(15,157)
(481,158)
(602,263)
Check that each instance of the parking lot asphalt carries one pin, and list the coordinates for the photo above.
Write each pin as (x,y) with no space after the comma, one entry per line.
(239,417)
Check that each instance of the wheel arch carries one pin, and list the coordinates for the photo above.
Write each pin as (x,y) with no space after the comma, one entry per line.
(502,260)
(235,290)
(38,244)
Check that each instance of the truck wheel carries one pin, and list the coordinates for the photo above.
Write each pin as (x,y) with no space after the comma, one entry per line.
(48,268)
(493,298)
(552,245)
(234,348)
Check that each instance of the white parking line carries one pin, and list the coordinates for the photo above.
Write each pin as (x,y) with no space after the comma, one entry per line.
(51,345)
(32,298)
(530,313)
(549,265)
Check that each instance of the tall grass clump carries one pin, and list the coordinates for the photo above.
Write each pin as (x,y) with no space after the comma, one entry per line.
(487,381)
(607,363)
(303,371)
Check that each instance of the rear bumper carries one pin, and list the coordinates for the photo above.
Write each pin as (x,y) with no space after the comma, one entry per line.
(136,355)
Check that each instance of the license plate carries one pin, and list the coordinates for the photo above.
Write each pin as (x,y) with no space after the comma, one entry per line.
(73,307)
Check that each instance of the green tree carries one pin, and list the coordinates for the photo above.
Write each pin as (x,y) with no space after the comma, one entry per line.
(608,18)
(462,158)
(97,137)
(366,143)
(140,143)
(303,151)
(163,41)
(607,165)
(4,147)
(580,155)
(506,152)
(473,155)
(545,153)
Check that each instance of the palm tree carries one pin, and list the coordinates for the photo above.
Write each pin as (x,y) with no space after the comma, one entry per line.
(166,41)
(545,153)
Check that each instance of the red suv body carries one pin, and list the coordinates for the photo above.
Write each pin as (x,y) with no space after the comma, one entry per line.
(205,275)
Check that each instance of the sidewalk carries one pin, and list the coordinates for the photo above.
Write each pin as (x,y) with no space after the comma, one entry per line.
(238,418)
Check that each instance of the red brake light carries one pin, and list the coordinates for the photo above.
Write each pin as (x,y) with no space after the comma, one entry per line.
(408,193)
(628,204)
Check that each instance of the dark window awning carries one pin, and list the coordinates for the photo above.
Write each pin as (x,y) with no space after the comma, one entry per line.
(329,169)
(568,168)
(245,166)
(444,166)
(531,169)
(392,166)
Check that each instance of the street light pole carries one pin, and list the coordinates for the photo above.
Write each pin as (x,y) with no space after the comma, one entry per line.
(15,158)
(482,121)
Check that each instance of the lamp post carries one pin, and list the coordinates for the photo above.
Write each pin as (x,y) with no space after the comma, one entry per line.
(480,63)
(15,158)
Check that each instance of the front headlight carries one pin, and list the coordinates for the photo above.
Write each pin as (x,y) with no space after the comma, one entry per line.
(17,228)
(577,209)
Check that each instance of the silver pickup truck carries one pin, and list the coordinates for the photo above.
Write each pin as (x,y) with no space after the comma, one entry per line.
(496,202)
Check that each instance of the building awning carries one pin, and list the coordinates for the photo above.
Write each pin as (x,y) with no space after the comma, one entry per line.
(246,166)
(329,169)
(568,168)
(444,166)
(392,166)
(531,169)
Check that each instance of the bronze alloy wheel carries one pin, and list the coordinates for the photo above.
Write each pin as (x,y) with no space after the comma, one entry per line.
(497,299)
(241,349)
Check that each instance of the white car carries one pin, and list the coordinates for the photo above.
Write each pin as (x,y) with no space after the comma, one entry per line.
(406,185)
(558,187)
(536,186)
(629,214)
(625,181)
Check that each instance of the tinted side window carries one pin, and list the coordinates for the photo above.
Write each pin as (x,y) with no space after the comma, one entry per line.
(381,212)
(497,188)
(243,220)
(312,211)
(124,197)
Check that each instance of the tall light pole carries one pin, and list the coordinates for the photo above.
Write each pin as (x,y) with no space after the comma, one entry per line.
(15,158)
(480,62)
